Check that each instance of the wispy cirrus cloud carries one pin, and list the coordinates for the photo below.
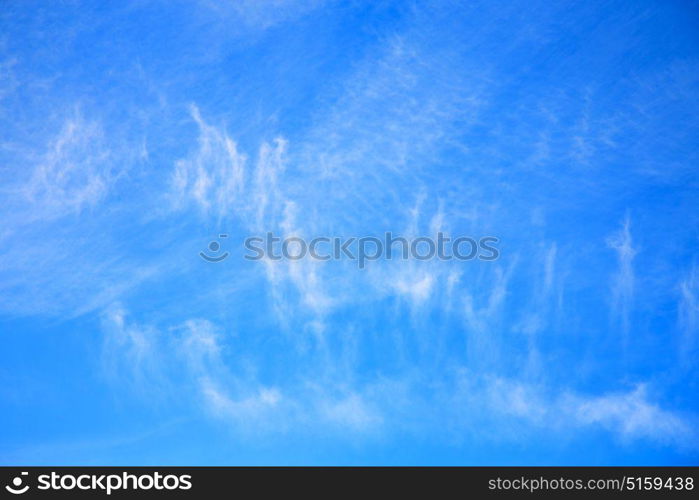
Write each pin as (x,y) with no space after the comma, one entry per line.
(57,256)
(73,172)
(214,176)
(688,313)
(623,282)
(263,14)
(629,415)
(148,361)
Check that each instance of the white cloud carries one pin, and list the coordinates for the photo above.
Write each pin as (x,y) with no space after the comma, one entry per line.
(266,198)
(130,356)
(246,411)
(58,206)
(631,416)
(262,14)
(193,363)
(688,314)
(479,319)
(74,172)
(187,363)
(623,282)
(214,176)
(351,412)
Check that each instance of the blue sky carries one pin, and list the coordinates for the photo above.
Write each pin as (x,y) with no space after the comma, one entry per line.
(134,133)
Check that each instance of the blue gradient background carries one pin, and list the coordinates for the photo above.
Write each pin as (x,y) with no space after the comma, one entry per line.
(133,133)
